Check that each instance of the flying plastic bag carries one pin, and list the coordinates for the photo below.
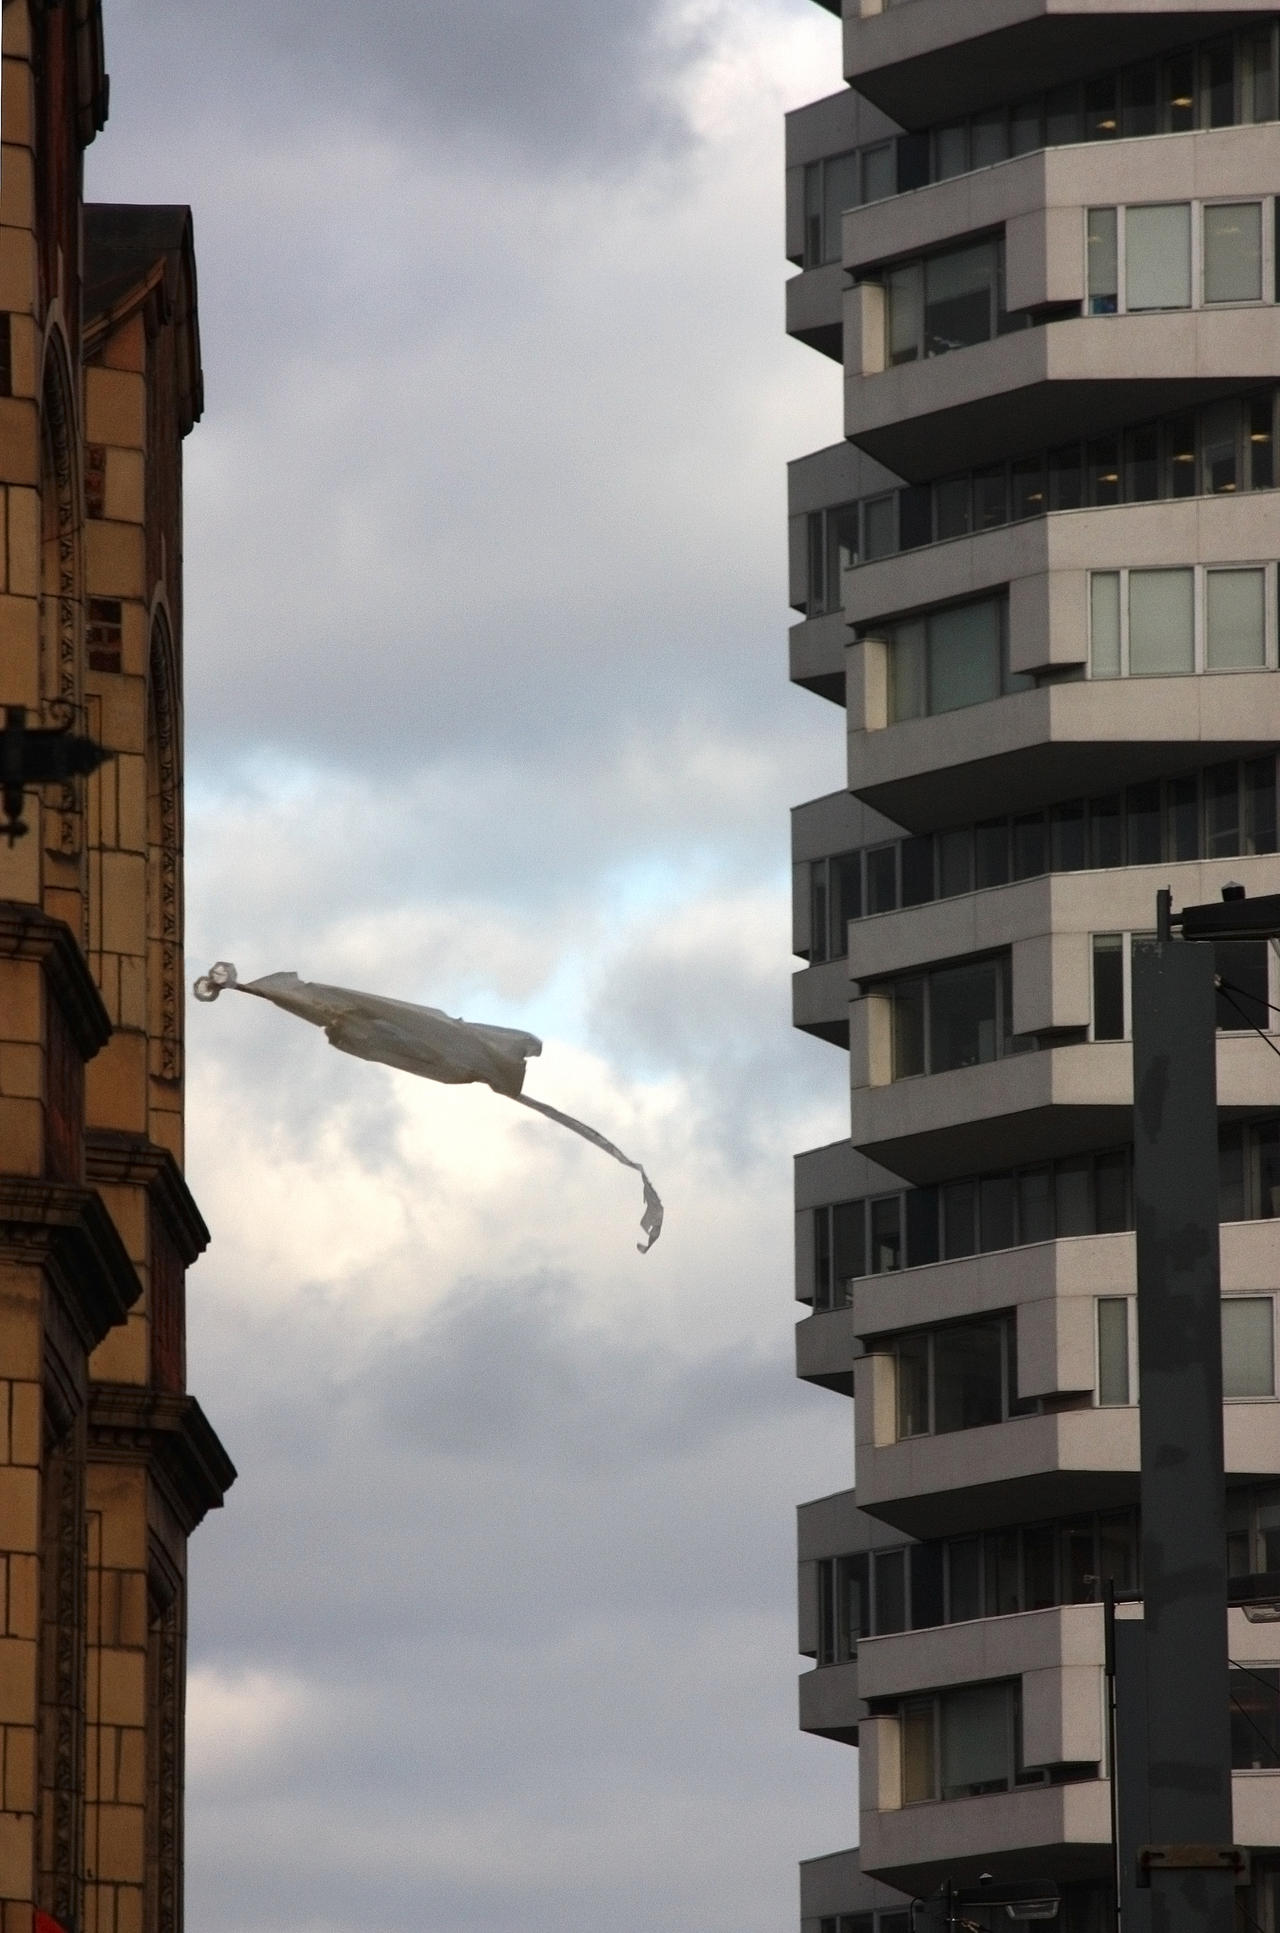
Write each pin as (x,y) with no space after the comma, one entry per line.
(423,1040)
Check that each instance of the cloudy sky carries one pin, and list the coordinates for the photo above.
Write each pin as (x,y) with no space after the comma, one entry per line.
(486,706)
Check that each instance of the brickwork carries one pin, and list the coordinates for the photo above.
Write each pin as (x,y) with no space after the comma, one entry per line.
(106,1464)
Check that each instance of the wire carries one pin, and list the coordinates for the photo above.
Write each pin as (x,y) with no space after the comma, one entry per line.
(1226,991)
(1228,985)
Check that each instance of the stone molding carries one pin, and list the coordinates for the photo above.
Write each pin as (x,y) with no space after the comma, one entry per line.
(115,1155)
(26,933)
(171,1436)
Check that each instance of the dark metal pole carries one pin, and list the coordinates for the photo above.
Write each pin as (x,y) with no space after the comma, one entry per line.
(1184,1570)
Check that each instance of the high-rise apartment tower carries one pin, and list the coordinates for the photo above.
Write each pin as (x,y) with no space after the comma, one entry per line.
(1039,574)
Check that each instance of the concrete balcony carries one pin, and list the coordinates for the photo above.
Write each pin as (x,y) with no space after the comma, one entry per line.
(1059,741)
(820,1001)
(825,1349)
(829,1703)
(1036,1106)
(815,309)
(1045,564)
(930,60)
(836,1884)
(1039,387)
(816,653)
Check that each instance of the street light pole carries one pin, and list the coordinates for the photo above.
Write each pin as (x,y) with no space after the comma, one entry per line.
(1188,1860)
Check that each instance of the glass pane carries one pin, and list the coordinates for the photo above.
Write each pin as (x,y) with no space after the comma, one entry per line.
(950,151)
(1183,813)
(1101,110)
(916,1726)
(886,1235)
(1259,76)
(997,1224)
(1233,251)
(879,174)
(915,516)
(1108,986)
(1261,442)
(1027,488)
(964,656)
(1222,811)
(991,852)
(964,1579)
(925,1561)
(959,299)
(1231,1194)
(1117,1550)
(912,162)
(955,863)
(963,1016)
(906,672)
(959,1219)
(1248,1346)
(853,1583)
(1066,478)
(1106,832)
(990,497)
(1067,837)
(1073,1197)
(818,912)
(1112,1350)
(977,1738)
(1004,1594)
(842,551)
(1111,1192)
(917,871)
(1102,470)
(1104,624)
(1142,824)
(880,527)
(1235,619)
(951,507)
(840,191)
(1029,845)
(922,1227)
(1026,130)
(1157,244)
(904,301)
(1103,259)
(912,1362)
(846,899)
(1260,805)
(813,214)
(891,1591)
(882,879)
(1142,464)
(1217,85)
(1255,1717)
(1035,1205)
(990,138)
(1241,967)
(847,1248)
(1061,117)
(908,1028)
(1076,1563)
(1219,462)
(1180,456)
(1140,112)
(1179,91)
(1161,634)
(1266,1142)
(967,1376)
(1267,1506)
(1039,1547)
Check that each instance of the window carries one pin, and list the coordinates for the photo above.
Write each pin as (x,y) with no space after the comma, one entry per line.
(842,1607)
(1176,255)
(946,301)
(959,1377)
(950,659)
(955,1744)
(1255,1718)
(830,186)
(1168,623)
(887,1920)
(839,1241)
(960,1016)
(1248,1349)
(835,898)
(832,540)
(1242,967)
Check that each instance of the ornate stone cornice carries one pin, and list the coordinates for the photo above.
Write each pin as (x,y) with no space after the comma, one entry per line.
(68,1233)
(171,1436)
(28,934)
(114,1155)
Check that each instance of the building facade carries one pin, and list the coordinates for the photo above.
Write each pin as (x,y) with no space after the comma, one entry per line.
(106,1462)
(1038,572)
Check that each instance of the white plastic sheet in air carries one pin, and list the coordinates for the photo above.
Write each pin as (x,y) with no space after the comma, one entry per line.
(423,1040)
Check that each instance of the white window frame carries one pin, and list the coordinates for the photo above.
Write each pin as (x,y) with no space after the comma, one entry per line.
(1198,620)
(1266,203)
(1251,1295)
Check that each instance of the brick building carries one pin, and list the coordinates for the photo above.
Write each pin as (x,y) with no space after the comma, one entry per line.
(106,1463)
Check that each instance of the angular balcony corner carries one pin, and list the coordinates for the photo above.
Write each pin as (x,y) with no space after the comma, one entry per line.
(815,309)
(816,654)
(928,61)
(825,1350)
(1032,747)
(820,1001)
(829,1703)
(1036,1829)
(835,1884)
